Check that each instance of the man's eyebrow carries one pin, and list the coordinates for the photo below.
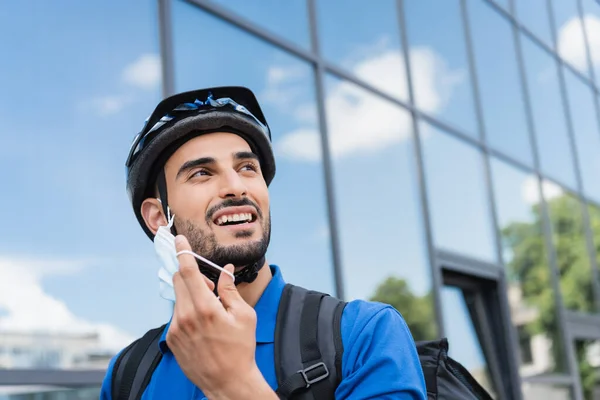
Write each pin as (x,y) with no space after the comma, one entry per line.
(193,164)
(244,155)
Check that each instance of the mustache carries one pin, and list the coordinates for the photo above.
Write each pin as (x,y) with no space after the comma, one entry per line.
(232,203)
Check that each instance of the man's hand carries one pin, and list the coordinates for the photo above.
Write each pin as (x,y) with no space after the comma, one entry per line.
(213,341)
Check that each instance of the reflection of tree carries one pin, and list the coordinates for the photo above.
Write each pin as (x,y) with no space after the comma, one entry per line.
(417,311)
(530,270)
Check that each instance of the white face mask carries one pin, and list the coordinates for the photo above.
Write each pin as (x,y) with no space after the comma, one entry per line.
(164,245)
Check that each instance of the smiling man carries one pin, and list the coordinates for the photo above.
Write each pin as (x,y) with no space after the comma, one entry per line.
(200,168)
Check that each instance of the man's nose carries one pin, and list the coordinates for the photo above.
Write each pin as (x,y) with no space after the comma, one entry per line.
(232,185)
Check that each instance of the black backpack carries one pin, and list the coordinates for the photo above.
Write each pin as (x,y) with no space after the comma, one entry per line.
(311,365)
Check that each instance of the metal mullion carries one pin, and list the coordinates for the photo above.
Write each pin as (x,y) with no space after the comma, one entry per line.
(509,338)
(52,377)
(550,379)
(165,31)
(436,273)
(326,153)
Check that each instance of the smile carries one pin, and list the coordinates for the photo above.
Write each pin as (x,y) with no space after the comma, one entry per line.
(235,216)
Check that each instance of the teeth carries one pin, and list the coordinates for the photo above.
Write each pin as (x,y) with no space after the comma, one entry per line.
(234,218)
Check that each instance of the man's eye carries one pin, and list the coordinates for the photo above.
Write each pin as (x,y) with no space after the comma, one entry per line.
(200,172)
(250,167)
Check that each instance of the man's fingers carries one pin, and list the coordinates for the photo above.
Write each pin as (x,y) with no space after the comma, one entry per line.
(199,290)
(228,292)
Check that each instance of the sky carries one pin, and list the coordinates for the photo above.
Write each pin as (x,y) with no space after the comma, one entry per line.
(74,92)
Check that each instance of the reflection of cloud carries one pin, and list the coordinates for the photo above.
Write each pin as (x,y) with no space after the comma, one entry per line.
(530,190)
(144,72)
(108,105)
(28,309)
(360,122)
(571,44)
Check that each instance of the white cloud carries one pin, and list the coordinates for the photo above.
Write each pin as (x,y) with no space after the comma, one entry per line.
(530,191)
(145,72)
(571,44)
(359,122)
(27,308)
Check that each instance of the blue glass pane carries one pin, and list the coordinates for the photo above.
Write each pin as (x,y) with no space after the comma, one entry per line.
(586,129)
(548,111)
(369,50)
(569,34)
(460,216)
(439,65)
(499,81)
(534,15)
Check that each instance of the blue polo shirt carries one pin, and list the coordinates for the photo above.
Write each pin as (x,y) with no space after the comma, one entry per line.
(380,359)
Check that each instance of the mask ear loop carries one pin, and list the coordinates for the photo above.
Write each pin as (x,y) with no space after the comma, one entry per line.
(212,264)
(170,218)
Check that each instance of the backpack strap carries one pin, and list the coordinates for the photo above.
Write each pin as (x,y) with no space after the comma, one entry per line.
(133,368)
(308,345)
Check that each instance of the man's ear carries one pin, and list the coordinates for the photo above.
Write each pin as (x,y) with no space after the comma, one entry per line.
(153,215)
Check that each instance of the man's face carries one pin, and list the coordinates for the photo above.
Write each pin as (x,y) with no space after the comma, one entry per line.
(219,198)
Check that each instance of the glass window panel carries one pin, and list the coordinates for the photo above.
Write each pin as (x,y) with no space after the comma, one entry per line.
(591,20)
(90,73)
(285,87)
(587,132)
(439,65)
(534,15)
(369,50)
(459,207)
(499,81)
(530,294)
(569,34)
(288,19)
(588,363)
(370,140)
(465,346)
(536,391)
(549,119)
(571,251)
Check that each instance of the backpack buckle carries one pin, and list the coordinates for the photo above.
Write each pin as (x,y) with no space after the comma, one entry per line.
(314,378)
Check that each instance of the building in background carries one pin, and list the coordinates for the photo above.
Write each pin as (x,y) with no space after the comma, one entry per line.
(440,156)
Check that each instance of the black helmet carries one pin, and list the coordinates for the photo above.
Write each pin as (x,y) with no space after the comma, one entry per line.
(182,116)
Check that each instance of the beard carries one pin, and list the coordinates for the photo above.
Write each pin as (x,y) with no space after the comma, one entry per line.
(204,241)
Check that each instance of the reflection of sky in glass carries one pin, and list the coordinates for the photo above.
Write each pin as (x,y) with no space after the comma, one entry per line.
(439,64)
(284,85)
(548,113)
(534,15)
(569,34)
(458,327)
(499,82)
(371,51)
(587,132)
(375,191)
(591,13)
(455,182)
(74,93)
(288,19)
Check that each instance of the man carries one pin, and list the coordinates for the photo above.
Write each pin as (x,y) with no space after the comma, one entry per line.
(202,166)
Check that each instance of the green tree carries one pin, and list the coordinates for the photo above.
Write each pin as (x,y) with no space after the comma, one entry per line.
(529,268)
(417,311)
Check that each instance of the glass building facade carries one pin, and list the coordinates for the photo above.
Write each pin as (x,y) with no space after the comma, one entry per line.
(440,156)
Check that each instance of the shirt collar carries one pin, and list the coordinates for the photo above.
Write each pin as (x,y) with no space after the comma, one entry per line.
(266,311)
